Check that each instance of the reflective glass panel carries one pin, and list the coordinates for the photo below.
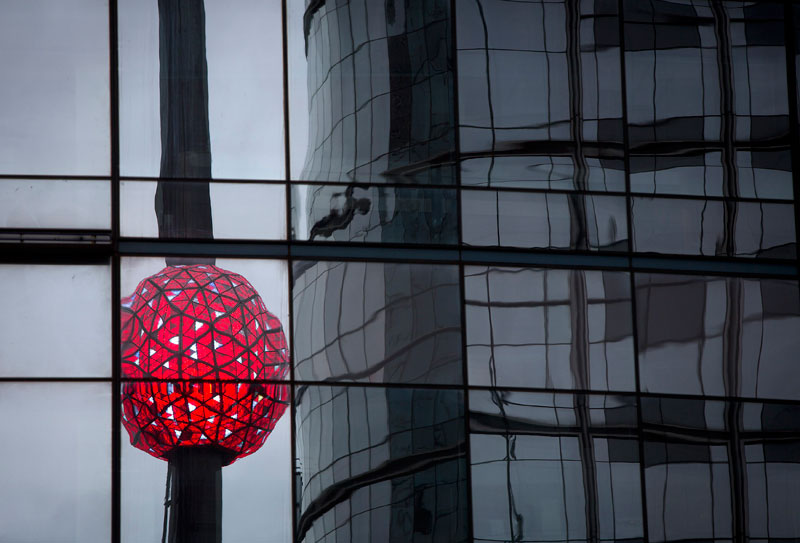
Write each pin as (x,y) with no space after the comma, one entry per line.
(255,491)
(371,91)
(200,89)
(57,320)
(377,322)
(374,214)
(56,468)
(205,358)
(380,464)
(722,336)
(54,100)
(757,174)
(549,328)
(46,203)
(554,467)
(237,210)
(544,220)
(713,228)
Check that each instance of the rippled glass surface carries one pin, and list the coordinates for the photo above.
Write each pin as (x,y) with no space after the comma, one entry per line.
(374,214)
(718,336)
(377,322)
(549,328)
(380,463)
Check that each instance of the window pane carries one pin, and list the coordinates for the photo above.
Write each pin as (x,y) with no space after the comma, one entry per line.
(256,490)
(544,220)
(380,464)
(549,328)
(688,479)
(603,172)
(45,203)
(232,96)
(535,478)
(540,71)
(713,228)
(371,91)
(54,100)
(203,376)
(374,214)
(56,468)
(58,321)
(377,322)
(238,210)
(719,336)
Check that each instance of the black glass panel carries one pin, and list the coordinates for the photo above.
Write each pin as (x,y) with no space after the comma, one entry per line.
(549,328)
(374,214)
(380,464)
(378,322)
(718,335)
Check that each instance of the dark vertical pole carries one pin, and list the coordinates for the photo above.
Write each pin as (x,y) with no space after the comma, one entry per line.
(196,502)
(183,208)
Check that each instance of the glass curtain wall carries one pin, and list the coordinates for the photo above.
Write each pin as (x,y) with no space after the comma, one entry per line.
(402,270)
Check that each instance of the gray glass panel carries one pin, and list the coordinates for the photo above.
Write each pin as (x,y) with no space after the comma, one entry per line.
(549,328)
(554,467)
(543,220)
(56,467)
(57,321)
(54,100)
(378,322)
(718,335)
(238,210)
(380,464)
(374,214)
(46,203)
(243,98)
(713,228)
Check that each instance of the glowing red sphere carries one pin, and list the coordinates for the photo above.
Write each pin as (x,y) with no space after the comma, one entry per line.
(200,359)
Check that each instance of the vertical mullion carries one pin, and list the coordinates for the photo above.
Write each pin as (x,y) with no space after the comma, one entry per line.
(290,275)
(116,408)
(460,238)
(790,42)
(631,278)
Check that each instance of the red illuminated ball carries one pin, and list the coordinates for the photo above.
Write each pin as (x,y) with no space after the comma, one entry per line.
(198,345)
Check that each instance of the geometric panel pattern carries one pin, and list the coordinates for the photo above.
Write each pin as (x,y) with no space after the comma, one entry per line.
(190,334)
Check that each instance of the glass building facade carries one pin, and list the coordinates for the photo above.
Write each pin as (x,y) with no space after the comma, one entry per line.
(535,262)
